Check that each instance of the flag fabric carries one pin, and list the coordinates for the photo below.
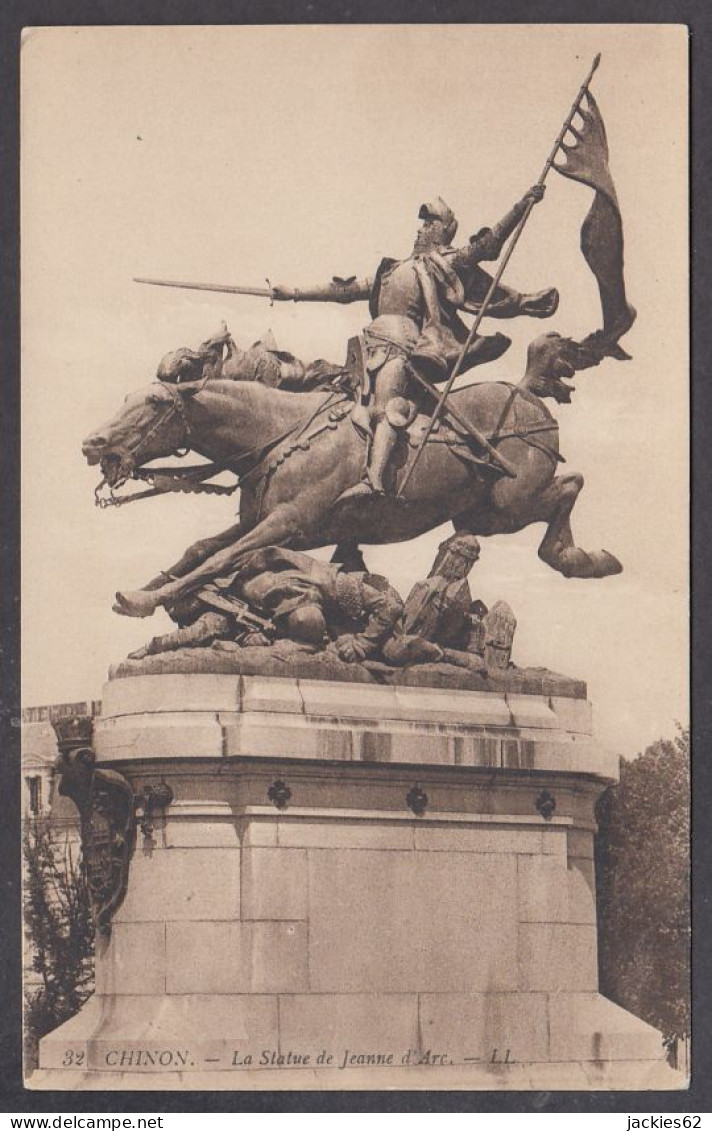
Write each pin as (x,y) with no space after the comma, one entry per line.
(586,160)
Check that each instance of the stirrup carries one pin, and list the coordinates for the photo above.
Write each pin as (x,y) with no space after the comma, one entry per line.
(364,489)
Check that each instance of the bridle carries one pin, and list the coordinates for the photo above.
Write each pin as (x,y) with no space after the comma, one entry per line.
(175,407)
(172,480)
(190,480)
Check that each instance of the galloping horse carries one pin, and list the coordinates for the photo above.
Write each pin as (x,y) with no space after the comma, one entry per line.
(297,452)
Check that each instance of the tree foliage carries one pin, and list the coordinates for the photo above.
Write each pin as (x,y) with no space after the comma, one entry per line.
(643,886)
(61,934)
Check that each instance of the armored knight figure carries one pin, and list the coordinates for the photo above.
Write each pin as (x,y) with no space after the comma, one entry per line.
(437,614)
(317,602)
(414,304)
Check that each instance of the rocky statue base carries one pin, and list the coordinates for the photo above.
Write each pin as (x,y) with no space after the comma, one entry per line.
(353,886)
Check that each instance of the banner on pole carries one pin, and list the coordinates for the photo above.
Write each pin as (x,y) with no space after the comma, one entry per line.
(602,231)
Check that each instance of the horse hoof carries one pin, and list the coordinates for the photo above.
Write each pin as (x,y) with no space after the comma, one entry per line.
(606,564)
(136,604)
(575,562)
(599,563)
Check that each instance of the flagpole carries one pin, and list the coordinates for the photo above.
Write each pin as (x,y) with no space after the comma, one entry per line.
(495,281)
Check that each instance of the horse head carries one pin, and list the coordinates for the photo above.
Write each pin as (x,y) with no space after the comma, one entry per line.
(151,423)
(551,361)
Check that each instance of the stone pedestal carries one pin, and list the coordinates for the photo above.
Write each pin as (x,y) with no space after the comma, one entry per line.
(354,886)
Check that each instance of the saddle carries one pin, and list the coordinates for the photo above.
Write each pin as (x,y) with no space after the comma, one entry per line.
(358,380)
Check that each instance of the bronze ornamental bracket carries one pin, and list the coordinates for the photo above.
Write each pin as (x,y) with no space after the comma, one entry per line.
(148,801)
(104,799)
(108,813)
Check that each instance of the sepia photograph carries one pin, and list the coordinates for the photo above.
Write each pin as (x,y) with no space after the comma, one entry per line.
(356,756)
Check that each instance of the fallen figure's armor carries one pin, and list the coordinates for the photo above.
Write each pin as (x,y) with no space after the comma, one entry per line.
(287,600)
(220,358)
(316,605)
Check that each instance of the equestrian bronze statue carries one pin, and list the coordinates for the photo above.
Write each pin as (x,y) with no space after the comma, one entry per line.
(297,453)
(315,469)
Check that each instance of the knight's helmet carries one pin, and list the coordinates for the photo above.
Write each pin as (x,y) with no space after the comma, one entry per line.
(439,210)
(305,624)
(178,366)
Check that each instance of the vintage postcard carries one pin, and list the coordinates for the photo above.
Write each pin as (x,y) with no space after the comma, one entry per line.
(355,386)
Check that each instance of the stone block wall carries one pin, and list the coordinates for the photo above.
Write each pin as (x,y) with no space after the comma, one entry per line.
(329,918)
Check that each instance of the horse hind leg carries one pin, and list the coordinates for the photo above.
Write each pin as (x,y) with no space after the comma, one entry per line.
(558,548)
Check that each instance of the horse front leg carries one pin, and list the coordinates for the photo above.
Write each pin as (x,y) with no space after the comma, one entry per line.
(196,554)
(558,548)
(278,529)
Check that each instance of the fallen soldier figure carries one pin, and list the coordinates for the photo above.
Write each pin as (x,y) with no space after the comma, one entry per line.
(316,605)
(220,358)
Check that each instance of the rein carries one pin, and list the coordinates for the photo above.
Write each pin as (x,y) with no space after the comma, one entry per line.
(164,480)
(167,480)
(528,431)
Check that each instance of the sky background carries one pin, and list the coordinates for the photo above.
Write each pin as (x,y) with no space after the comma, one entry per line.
(230,154)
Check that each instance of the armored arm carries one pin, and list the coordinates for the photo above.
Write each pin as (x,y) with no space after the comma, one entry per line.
(338,290)
(381,609)
(488,242)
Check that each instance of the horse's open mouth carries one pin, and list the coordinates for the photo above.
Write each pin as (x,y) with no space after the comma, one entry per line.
(562,391)
(116,468)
